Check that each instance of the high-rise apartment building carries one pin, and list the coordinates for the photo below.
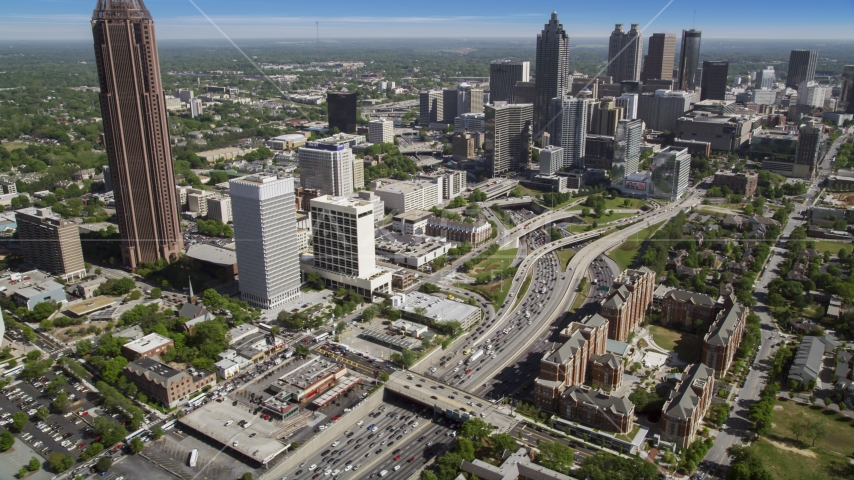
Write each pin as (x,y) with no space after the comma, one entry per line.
(381,130)
(552,69)
(503,75)
(551,159)
(801,67)
(344,246)
(766,77)
(341,111)
(714,80)
(195,107)
(507,146)
(469,100)
(625,54)
(524,92)
(627,142)
(136,131)
(661,110)
(469,122)
(50,242)
(846,94)
(658,62)
(569,128)
(670,169)
(326,167)
(358,169)
(606,116)
(689,60)
(265,232)
(430,103)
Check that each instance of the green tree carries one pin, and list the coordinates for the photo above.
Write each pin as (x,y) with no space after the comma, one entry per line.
(475,430)
(60,462)
(135,295)
(315,281)
(370,312)
(605,466)
(384,377)
(104,464)
(6,440)
(217,176)
(61,403)
(555,456)
(42,413)
(500,442)
(465,448)
(155,293)
(34,464)
(246,476)
(19,420)
(84,347)
(136,445)
(158,432)
(745,464)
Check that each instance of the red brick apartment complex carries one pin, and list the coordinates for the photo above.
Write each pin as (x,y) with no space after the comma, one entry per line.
(626,304)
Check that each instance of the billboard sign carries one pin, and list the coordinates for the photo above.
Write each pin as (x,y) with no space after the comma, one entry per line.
(635,185)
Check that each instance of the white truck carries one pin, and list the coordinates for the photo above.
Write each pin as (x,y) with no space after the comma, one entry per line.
(474,356)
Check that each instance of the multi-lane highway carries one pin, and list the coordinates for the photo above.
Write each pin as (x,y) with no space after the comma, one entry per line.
(402,436)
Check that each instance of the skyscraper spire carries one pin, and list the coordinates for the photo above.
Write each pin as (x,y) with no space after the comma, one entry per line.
(552,72)
(136,131)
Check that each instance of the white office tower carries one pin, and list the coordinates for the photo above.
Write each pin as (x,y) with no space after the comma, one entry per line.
(381,130)
(765,78)
(629,103)
(569,128)
(670,170)
(551,159)
(265,232)
(344,245)
(811,93)
(627,143)
(326,167)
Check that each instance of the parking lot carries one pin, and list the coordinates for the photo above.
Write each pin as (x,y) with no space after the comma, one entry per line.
(65,434)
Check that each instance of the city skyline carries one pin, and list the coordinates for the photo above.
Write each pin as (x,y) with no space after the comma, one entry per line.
(181,20)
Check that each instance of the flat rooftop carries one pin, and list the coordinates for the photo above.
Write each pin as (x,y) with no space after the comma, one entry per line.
(90,305)
(310,372)
(405,187)
(210,419)
(212,254)
(439,309)
(146,343)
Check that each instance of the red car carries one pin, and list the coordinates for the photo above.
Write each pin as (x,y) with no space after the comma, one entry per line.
(397,457)
(468,371)
(336,418)
(411,459)
(84,413)
(304,340)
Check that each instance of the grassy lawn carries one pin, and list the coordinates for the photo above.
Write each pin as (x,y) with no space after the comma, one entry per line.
(686,345)
(626,253)
(580,298)
(629,435)
(787,458)
(616,204)
(496,291)
(565,255)
(834,247)
(501,260)
(13,145)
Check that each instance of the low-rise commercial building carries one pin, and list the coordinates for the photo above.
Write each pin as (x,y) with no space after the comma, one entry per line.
(46,291)
(724,132)
(687,404)
(516,466)
(165,385)
(723,339)
(147,346)
(437,309)
(413,222)
(414,251)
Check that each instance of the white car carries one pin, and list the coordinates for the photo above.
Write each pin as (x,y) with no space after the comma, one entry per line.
(360,423)
(312,467)
(414,424)
(229,422)
(396,468)
(335,443)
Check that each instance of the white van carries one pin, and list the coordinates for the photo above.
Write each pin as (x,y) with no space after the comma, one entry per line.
(384,473)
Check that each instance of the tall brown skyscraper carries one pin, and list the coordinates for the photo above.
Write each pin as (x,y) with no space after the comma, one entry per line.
(136,131)
(658,63)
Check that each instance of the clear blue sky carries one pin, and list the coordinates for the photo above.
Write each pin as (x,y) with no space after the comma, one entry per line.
(176,19)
